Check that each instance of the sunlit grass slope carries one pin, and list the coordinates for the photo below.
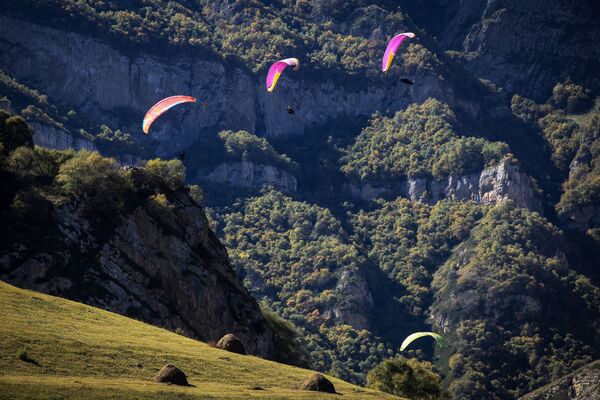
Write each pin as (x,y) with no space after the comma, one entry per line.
(73,351)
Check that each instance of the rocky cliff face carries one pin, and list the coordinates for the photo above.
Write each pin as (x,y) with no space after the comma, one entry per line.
(108,87)
(522,46)
(59,139)
(356,300)
(490,186)
(174,274)
(48,135)
(583,384)
(251,175)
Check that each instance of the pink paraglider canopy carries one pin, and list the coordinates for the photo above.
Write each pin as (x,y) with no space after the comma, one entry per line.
(392,46)
(162,106)
(276,70)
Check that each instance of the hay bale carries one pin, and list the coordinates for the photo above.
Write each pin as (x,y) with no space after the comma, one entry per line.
(318,383)
(171,374)
(231,343)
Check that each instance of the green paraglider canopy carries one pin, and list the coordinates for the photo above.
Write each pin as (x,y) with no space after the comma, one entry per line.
(417,335)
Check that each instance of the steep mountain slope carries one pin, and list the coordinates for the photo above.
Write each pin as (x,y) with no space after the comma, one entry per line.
(515,311)
(405,206)
(109,83)
(298,258)
(582,384)
(133,241)
(522,46)
(51,347)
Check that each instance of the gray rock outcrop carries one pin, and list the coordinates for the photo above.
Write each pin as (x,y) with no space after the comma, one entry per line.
(356,300)
(504,181)
(59,139)
(250,175)
(583,384)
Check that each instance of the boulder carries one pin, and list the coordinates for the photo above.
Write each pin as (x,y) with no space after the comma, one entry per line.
(171,374)
(231,343)
(318,383)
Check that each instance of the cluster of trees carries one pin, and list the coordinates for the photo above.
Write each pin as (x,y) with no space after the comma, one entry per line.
(332,36)
(102,190)
(569,121)
(496,279)
(407,378)
(292,254)
(582,188)
(516,314)
(417,142)
(244,146)
(410,240)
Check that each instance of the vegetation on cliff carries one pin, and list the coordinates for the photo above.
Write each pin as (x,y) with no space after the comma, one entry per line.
(35,107)
(292,254)
(516,312)
(253,32)
(417,142)
(410,240)
(515,295)
(244,146)
(569,122)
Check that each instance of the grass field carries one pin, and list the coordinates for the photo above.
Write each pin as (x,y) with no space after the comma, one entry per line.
(52,348)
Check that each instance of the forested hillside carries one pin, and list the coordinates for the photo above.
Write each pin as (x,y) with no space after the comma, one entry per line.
(465,202)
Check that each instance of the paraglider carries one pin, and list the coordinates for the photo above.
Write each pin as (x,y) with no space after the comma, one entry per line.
(276,70)
(407,81)
(392,47)
(417,335)
(162,106)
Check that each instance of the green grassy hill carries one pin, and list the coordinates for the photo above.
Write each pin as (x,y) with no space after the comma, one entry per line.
(79,352)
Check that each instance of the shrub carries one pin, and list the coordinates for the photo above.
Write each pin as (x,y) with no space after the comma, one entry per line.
(196,193)
(34,113)
(168,174)
(289,347)
(244,146)
(14,132)
(37,162)
(406,378)
(161,208)
(527,110)
(98,181)
(109,135)
(571,97)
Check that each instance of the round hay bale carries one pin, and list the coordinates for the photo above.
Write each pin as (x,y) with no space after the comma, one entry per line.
(171,374)
(231,343)
(318,383)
